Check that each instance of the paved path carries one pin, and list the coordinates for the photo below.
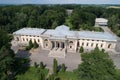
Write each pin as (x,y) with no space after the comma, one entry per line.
(71,60)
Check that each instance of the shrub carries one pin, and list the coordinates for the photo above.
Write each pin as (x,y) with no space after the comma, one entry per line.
(63,68)
(81,49)
(35,45)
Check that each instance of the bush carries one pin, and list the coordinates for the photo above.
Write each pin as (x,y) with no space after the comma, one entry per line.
(81,49)
(35,45)
(35,64)
(41,65)
(63,68)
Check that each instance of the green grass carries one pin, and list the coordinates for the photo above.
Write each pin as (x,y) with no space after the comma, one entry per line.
(118,74)
(67,75)
(32,74)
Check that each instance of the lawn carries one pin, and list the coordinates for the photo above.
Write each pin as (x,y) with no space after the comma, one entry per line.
(67,75)
(34,73)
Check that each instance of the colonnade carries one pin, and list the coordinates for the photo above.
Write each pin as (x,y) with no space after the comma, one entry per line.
(57,44)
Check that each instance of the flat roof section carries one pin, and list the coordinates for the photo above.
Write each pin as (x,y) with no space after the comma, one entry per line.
(29,31)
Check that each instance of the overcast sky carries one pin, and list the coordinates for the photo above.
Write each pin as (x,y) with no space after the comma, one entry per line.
(59,1)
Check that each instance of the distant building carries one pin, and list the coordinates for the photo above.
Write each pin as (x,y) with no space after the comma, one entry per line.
(101,22)
(69,11)
(61,40)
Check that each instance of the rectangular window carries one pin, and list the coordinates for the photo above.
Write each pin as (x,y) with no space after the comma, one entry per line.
(26,39)
(38,40)
(83,44)
(87,44)
(92,45)
(101,45)
(23,39)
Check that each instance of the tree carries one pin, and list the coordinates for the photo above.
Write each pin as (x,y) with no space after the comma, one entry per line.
(35,44)
(55,65)
(51,77)
(42,76)
(35,64)
(30,45)
(81,49)
(41,65)
(96,66)
(63,68)
(6,56)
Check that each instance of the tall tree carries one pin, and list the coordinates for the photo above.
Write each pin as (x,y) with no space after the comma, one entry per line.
(96,66)
(55,65)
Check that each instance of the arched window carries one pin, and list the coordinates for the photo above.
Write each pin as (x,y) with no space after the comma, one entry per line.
(71,42)
(45,40)
(91,44)
(87,44)
(17,38)
(23,39)
(46,43)
(26,39)
(38,40)
(109,46)
(83,44)
(53,44)
(58,45)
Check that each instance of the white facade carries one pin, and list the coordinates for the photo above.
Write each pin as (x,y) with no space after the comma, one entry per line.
(101,22)
(61,40)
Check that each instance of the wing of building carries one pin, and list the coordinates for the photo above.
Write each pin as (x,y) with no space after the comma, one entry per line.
(62,40)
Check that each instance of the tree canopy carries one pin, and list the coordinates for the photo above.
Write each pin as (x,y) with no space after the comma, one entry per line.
(96,65)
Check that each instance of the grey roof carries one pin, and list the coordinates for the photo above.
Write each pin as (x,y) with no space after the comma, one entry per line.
(61,31)
(62,27)
(29,31)
(96,36)
(64,32)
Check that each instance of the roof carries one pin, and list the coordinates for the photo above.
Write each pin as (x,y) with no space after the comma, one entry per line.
(96,36)
(30,31)
(63,32)
(101,20)
(62,27)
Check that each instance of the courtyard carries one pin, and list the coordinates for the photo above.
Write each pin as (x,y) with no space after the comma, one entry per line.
(72,60)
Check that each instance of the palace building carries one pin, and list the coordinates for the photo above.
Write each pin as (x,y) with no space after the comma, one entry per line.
(62,40)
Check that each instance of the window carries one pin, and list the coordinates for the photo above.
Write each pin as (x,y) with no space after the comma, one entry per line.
(91,44)
(83,44)
(101,45)
(87,44)
(38,40)
(97,40)
(26,39)
(109,46)
(23,39)
(17,38)
(46,44)
(96,45)
(71,42)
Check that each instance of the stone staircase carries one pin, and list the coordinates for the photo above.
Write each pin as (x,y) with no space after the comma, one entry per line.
(57,52)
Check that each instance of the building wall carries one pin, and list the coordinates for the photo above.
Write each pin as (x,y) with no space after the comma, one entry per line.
(72,45)
(24,39)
